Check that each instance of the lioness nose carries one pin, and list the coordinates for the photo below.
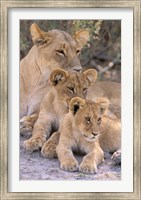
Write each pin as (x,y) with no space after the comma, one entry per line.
(95,134)
(77,68)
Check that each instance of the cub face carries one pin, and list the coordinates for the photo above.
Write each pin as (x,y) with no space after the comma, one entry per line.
(71,84)
(87,116)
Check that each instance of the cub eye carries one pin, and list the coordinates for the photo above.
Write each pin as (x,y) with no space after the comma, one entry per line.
(84,90)
(78,51)
(87,119)
(60,52)
(99,120)
(71,89)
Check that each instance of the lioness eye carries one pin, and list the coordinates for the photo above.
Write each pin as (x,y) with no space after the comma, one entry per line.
(84,90)
(71,89)
(99,120)
(60,52)
(78,51)
(88,119)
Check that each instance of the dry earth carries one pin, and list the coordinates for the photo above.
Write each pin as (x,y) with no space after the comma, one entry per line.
(34,167)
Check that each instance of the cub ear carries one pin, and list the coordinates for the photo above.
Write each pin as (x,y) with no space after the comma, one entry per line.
(81,37)
(57,76)
(90,75)
(75,104)
(38,36)
(103,103)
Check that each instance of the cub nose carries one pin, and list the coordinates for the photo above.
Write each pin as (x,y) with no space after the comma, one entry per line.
(77,68)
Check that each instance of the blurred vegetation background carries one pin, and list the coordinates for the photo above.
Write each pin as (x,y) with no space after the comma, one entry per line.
(103,52)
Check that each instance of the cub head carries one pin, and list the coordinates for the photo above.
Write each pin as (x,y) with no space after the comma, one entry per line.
(87,116)
(57,48)
(71,84)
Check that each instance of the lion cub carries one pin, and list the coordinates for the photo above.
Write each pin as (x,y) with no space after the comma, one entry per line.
(79,130)
(65,86)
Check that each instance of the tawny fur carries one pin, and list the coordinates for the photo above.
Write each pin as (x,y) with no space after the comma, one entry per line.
(54,106)
(54,49)
(79,130)
(110,90)
(109,129)
(51,50)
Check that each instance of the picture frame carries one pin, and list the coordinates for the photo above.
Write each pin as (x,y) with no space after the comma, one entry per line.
(4,120)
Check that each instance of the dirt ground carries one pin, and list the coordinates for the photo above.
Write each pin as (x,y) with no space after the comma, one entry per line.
(34,167)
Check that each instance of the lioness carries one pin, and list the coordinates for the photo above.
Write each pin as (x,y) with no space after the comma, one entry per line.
(79,130)
(53,49)
(65,86)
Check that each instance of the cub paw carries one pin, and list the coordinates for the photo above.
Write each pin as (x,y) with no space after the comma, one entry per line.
(34,144)
(49,150)
(69,166)
(26,129)
(116,157)
(26,125)
(88,169)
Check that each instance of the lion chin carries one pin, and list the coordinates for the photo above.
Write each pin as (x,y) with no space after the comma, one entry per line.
(90,138)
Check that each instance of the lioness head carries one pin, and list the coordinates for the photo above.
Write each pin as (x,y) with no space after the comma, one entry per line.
(87,116)
(71,84)
(57,48)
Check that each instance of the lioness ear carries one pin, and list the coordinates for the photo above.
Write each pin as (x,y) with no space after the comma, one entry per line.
(58,75)
(81,37)
(103,103)
(38,36)
(90,75)
(76,103)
